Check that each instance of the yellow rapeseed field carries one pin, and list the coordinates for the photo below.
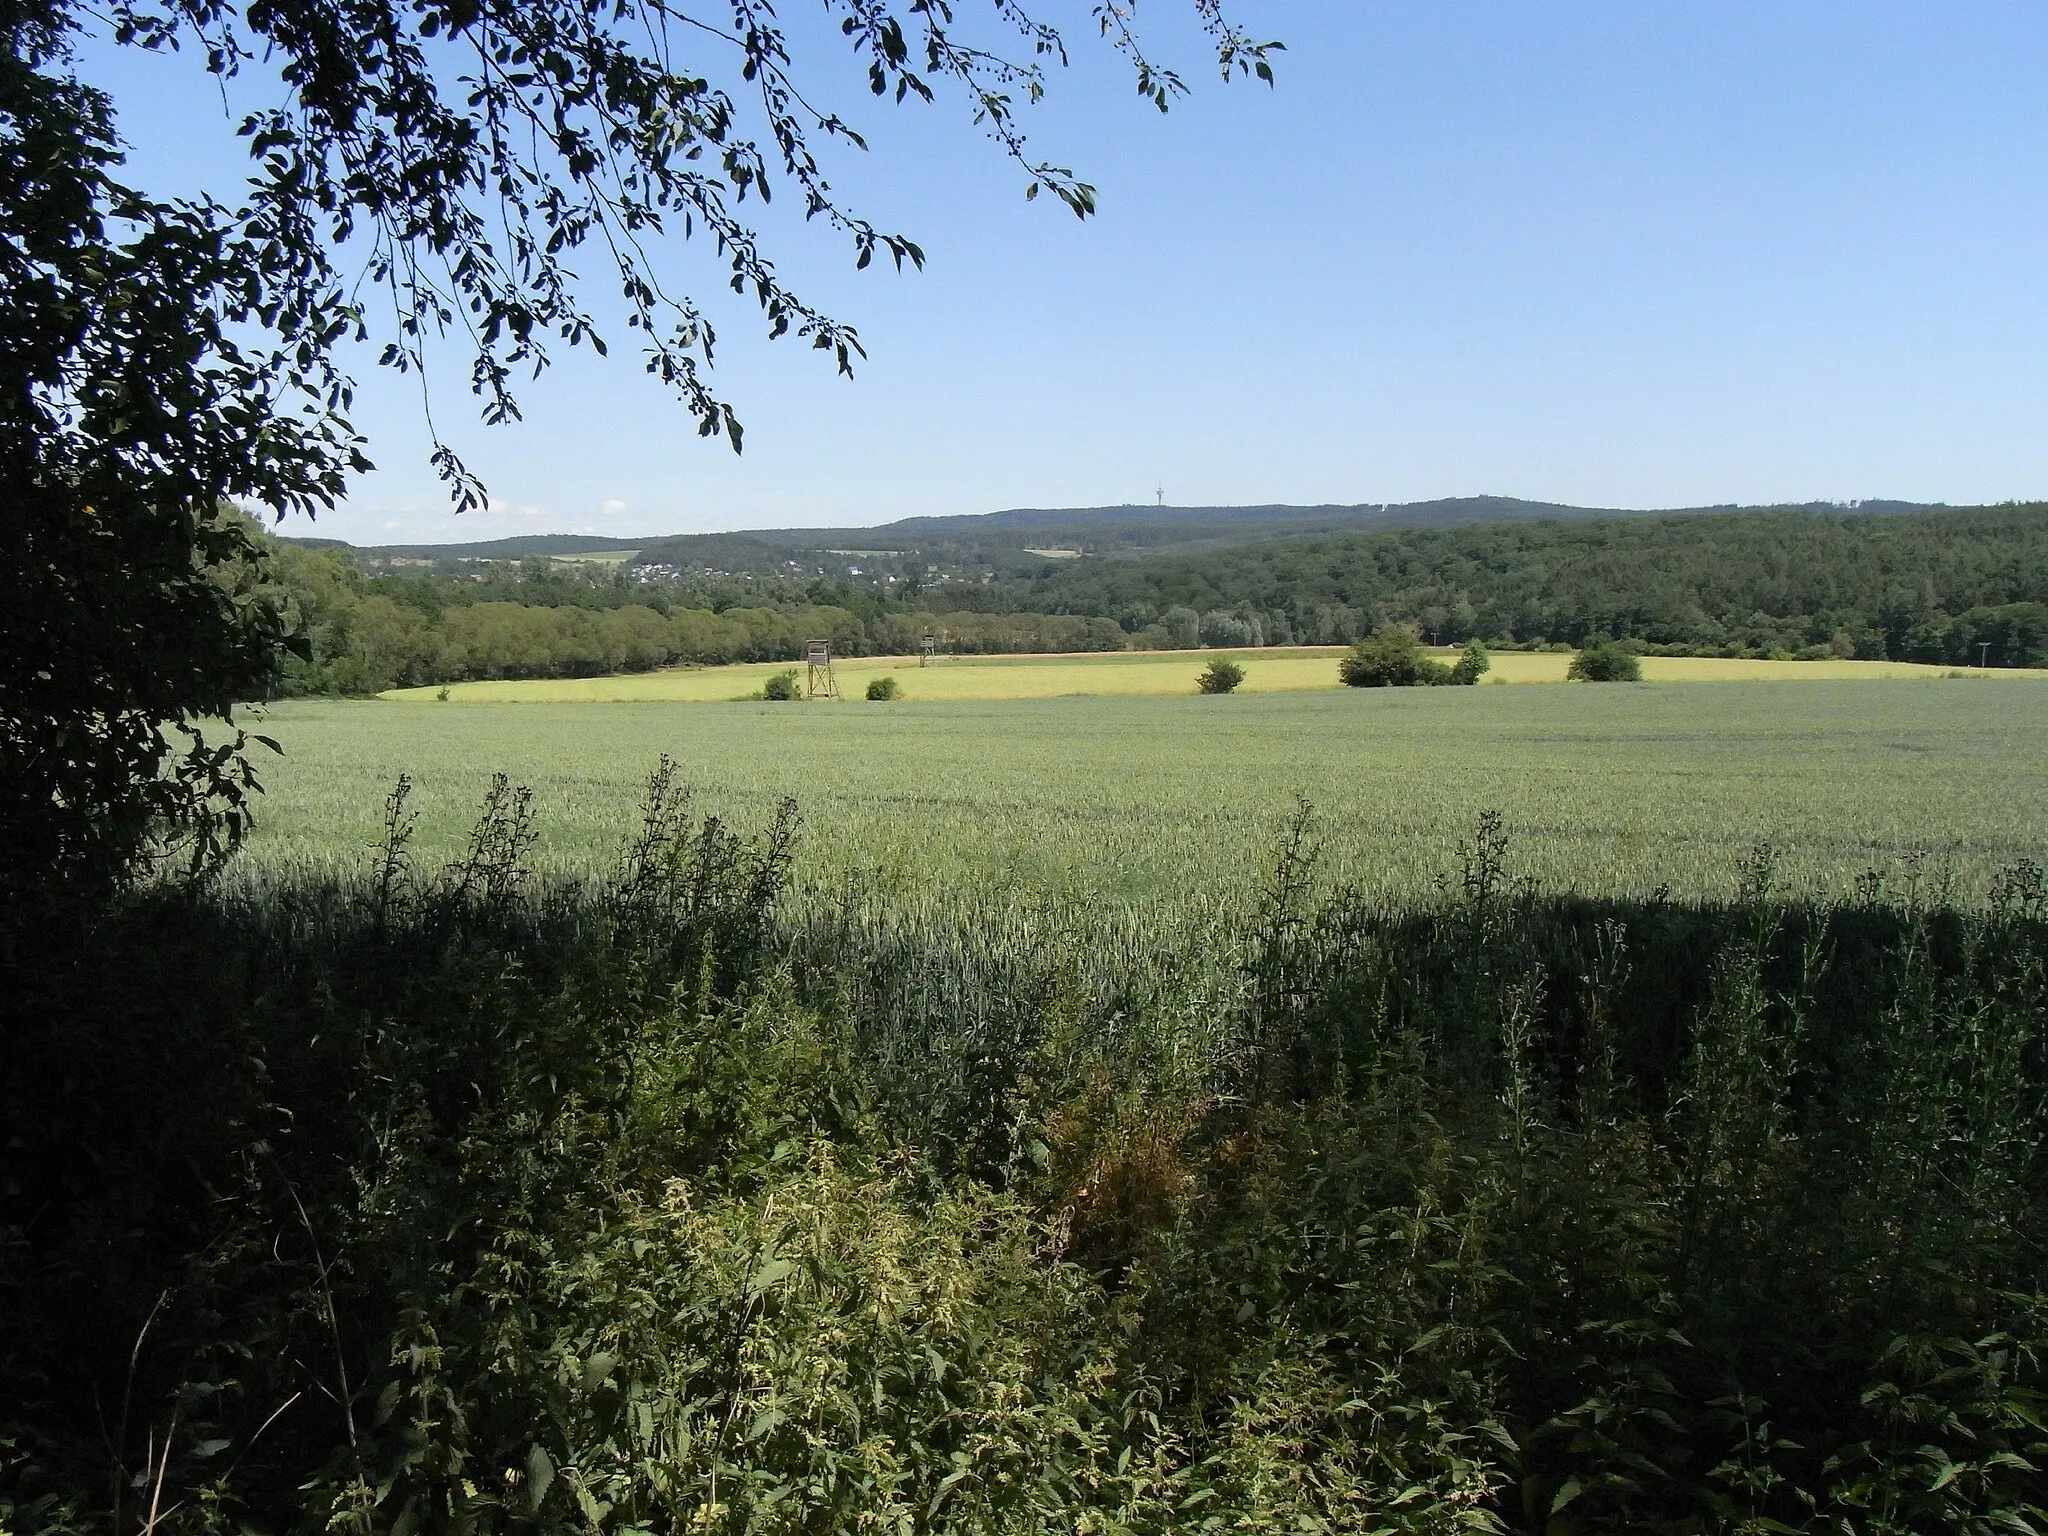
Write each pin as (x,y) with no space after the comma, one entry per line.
(1125,674)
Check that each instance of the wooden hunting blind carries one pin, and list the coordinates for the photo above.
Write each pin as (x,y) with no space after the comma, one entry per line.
(821,684)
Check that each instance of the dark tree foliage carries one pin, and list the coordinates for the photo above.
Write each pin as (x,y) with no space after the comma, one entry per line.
(132,403)
(431,170)
(1221,676)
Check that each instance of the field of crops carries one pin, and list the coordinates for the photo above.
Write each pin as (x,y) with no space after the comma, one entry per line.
(1128,673)
(1162,800)
(1005,1162)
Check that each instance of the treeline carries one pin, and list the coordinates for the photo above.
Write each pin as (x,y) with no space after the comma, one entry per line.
(1943,587)
(1962,588)
(362,635)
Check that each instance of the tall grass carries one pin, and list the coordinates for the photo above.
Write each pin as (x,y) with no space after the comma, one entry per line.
(460,1199)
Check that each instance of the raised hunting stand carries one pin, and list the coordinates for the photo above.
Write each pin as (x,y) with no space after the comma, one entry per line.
(821,684)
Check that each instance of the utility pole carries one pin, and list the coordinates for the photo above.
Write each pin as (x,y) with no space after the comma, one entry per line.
(1984,654)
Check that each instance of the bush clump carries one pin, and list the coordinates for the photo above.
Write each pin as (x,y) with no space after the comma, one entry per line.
(1392,658)
(1605,661)
(883,688)
(1472,664)
(783,685)
(1221,676)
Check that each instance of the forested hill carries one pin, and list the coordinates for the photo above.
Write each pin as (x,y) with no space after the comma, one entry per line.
(1108,530)
(1015,541)
(1008,541)
(1146,529)
(1957,587)
(1701,580)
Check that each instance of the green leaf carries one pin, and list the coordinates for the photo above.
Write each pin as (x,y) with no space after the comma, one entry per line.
(774,1272)
(594,1509)
(540,1475)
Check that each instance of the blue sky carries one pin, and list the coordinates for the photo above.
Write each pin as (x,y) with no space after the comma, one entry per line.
(1639,253)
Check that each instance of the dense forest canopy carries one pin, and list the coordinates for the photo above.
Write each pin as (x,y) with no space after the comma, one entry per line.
(1703,580)
(1963,587)
(992,537)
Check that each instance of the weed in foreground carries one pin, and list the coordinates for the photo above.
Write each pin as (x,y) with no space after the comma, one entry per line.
(466,1199)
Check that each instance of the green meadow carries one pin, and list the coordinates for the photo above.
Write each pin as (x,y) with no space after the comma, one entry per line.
(1149,800)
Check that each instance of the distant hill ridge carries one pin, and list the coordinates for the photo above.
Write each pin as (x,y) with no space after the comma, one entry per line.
(517,547)
(1449,509)
(1402,514)
(1133,529)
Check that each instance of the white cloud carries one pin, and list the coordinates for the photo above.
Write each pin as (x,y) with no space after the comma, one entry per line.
(612,507)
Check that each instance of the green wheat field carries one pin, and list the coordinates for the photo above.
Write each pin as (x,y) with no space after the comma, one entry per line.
(1140,801)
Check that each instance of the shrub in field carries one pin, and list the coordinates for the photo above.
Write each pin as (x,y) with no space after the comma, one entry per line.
(1393,658)
(1221,676)
(1472,664)
(1605,661)
(884,688)
(783,685)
